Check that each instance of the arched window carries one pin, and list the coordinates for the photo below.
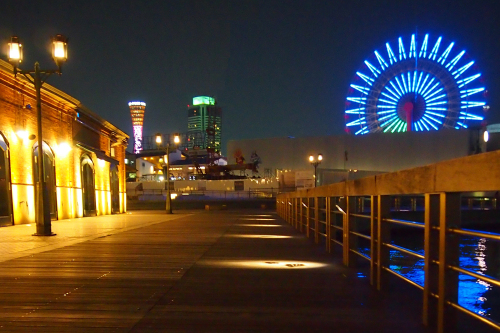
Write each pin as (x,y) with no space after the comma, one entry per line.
(88,186)
(49,176)
(5,194)
(115,189)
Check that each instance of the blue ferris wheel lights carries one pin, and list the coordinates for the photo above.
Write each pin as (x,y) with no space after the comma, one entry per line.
(425,90)
(356,111)
(374,70)
(468,80)
(465,115)
(367,79)
(423,50)
(381,60)
(363,90)
(453,62)
(469,92)
(402,53)
(434,114)
(445,54)
(357,122)
(392,58)
(360,100)
(435,49)
(462,69)
(412,47)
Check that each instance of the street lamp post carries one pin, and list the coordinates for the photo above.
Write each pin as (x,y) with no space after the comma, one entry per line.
(315,162)
(168,204)
(38,78)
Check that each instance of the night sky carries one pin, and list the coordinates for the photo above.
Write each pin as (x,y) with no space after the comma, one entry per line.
(277,68)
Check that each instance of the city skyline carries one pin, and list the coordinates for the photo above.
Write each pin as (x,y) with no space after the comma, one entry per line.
(277,68)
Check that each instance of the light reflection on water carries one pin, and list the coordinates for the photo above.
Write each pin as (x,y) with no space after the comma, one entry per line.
(476,254)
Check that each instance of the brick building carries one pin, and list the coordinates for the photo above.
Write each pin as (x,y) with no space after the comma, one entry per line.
(83,154)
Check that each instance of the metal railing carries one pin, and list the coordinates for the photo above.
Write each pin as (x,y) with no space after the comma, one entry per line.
(211,194)
(345,214)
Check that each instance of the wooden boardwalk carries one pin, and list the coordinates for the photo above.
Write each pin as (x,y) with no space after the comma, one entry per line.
(223,271)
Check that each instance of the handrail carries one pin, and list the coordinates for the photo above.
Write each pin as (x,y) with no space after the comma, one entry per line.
(403,278)
(361,255)
(485,320)
(486,278)
(405,250)
(405,222)
(360,235)
(360,215)
(482,234)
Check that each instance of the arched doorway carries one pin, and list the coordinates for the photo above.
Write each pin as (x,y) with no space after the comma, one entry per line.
(49,170)
(115,189)
(5,194)
(88,186)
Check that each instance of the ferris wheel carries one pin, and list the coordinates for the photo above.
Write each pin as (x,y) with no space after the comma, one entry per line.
(423,85)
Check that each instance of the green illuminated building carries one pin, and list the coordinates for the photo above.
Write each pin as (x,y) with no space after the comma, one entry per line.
(204,124)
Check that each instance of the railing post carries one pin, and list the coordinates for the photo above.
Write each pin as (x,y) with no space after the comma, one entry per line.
(383,237)
(374,239)
(352,240)
(308,231)
(328,230)
(448,255)
(431,251)
(301,210)
(316,220)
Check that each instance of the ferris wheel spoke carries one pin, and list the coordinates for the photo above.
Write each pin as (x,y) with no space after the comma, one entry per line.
(402,53)
(374,69)
(404,83)
(381,61)
(423,50)
(412,47)
(391,118)
(396,94)
(462,69)
(356,111)
(436,103)
(435,49)
(461,124)
(469,116)
(469,92)
(471,104)
(468,80)
(445,54)
(389,96)
(362,130)
(359,100)
(424,91)
(393,122)
(452,63)
(414,80)
(428,122)
(434,93)
(360,121)
(392,58)
(400,87)
(363,90)
(387,101)
(367,79)
(426,116)
(423,84)
(428,100)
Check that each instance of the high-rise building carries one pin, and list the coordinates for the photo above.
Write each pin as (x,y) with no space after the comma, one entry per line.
(137,110)
(204,124)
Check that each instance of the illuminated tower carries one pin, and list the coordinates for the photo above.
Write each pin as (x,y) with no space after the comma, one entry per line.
(204,124)
(137,110)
